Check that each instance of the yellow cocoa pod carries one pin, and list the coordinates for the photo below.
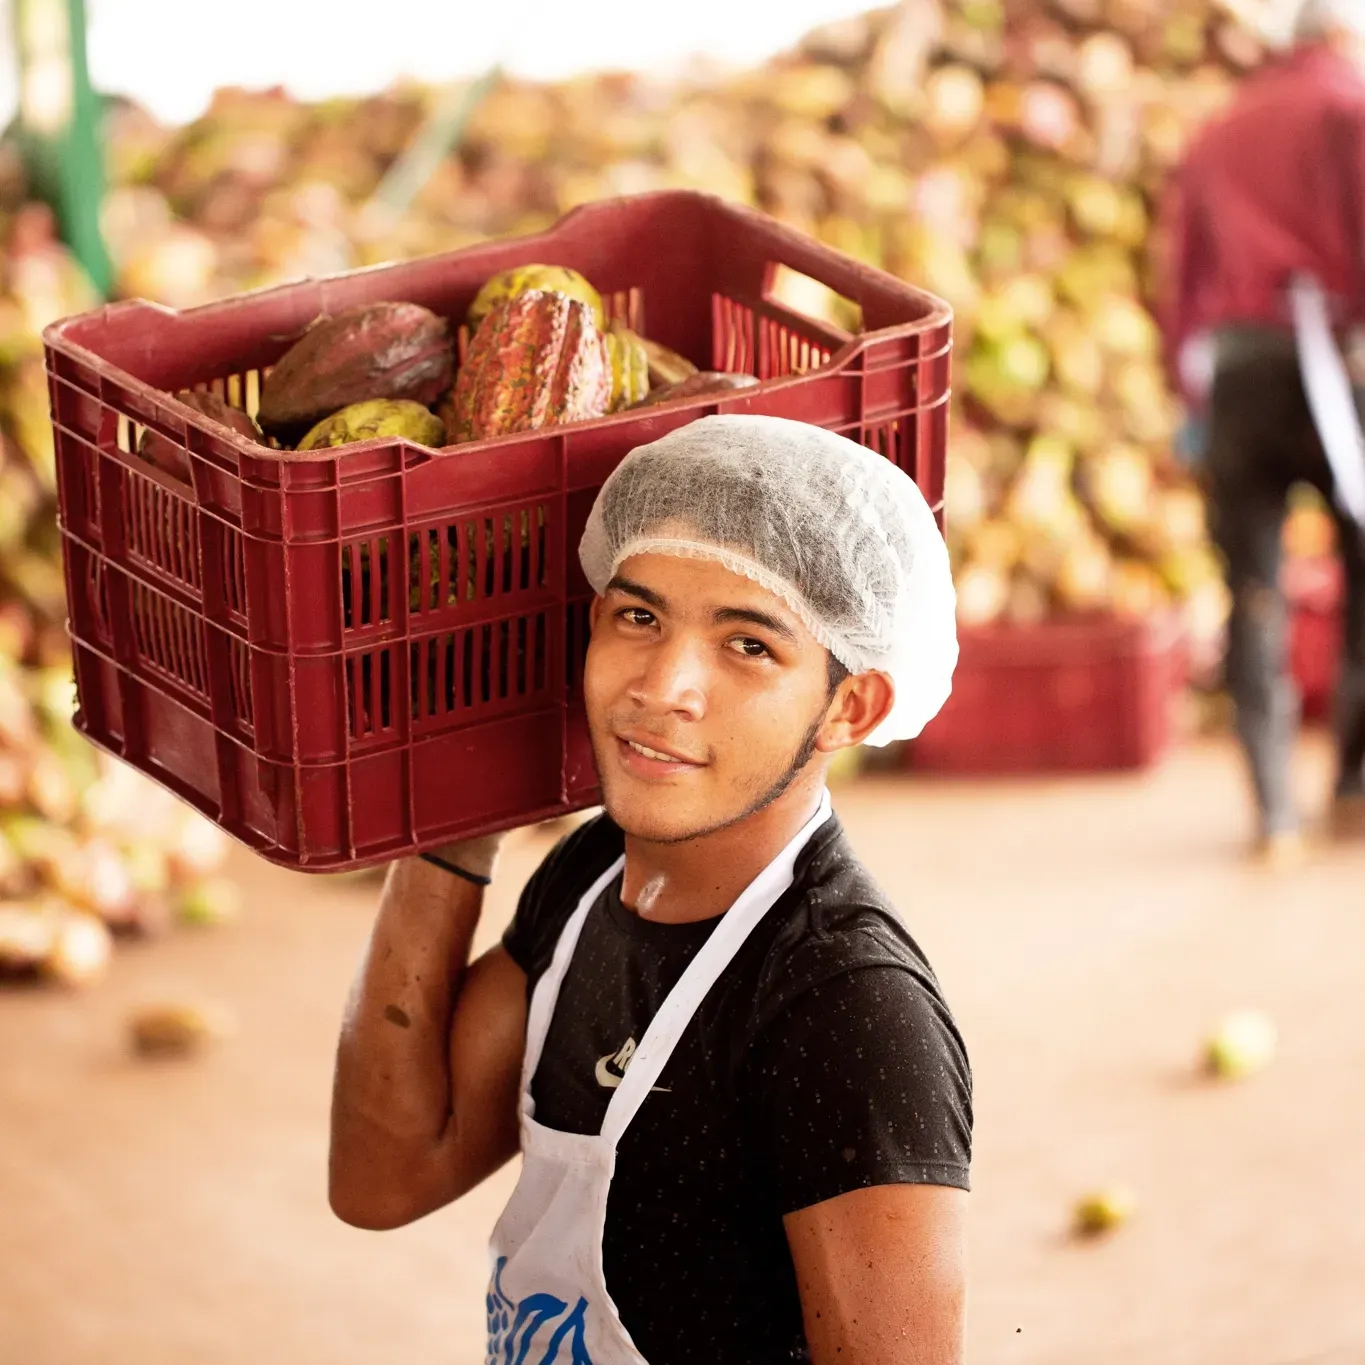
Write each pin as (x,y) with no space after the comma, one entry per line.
(629,368)
(665,366)
(558,279)
(1104,1210)
(377,417)
(177,1028)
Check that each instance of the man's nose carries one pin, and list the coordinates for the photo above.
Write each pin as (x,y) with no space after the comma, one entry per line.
(672,678)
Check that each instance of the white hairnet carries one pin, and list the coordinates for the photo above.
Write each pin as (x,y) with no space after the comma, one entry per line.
(837,532)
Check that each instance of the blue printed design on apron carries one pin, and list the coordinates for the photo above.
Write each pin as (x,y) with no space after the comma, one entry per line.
(513,1328)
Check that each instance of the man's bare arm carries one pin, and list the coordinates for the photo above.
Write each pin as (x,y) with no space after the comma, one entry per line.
(424,1103)
(882,1275)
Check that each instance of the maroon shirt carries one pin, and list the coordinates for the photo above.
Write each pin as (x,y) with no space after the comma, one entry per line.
(1273,188)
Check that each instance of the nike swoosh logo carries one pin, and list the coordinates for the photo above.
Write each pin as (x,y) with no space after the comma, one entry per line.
(604,1077)
(608,1080)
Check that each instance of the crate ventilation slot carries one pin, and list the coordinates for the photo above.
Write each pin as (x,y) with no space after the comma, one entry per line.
(459,671)
(241,391)
(745,343)
(577,629)
(163,530)
(449,565)
(169,639)
(234,573)
(239,681)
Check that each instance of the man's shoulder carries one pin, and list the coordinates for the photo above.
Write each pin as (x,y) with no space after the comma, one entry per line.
(1283,94)
(581,856)
(838,921)
(843,998)
(555,888)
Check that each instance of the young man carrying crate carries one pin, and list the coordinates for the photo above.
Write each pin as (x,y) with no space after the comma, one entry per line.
(742,1105)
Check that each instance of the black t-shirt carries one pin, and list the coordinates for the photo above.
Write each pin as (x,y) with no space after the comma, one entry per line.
(823,1060)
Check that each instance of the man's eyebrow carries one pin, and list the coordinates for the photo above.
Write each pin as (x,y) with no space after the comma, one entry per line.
(756,618)
(723,615)
(634,589)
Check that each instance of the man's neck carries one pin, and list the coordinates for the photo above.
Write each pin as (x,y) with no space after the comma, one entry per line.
(702,878)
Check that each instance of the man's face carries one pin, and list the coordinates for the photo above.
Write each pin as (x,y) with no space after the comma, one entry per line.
(703,693)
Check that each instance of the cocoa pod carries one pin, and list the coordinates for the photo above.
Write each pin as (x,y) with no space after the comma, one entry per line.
(197,848)
(27,936)
(538,360)
(213,406)
(665,366)
(694,386)
(79,953)
(171,458)
(381,350)
(556,278)
(377,417)
(629,367)
(178,1028)
(209,904)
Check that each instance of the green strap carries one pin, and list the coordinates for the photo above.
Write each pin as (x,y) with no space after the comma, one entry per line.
(60,127)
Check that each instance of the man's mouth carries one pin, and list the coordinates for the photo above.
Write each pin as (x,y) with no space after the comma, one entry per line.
(650,759)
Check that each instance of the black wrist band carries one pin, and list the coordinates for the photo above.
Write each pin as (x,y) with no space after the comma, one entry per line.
(456,871)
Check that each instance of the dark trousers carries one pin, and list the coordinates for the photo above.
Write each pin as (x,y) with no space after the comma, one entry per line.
(1261,441)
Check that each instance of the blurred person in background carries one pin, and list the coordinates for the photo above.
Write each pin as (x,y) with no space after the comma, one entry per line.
(742,1105)
(1264,226)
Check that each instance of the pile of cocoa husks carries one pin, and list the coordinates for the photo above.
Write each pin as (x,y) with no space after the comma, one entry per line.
(1005,156)
(90,852)
(1008,157)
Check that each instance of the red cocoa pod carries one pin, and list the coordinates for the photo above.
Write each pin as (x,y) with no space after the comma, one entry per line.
(171,458)
(537,360)
(695,385)
(380,350)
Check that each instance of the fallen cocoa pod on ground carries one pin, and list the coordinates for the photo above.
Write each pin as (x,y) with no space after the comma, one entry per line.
(1103,1210)
(178,1029)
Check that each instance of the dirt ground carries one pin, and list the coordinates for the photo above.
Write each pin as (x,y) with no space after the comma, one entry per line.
(1088,934)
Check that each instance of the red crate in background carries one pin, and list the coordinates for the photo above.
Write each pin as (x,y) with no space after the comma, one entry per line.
(1084,695)
(1314,588)
(345,656)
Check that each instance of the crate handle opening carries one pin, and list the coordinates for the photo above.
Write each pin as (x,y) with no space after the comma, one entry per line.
(808,296)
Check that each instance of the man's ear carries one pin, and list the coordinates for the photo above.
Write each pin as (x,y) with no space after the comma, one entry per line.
(859,705)
(594,611)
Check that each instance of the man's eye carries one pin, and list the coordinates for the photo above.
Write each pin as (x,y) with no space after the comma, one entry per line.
(749,647)
(637,616)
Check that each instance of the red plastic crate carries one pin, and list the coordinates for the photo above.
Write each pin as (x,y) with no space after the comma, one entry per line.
(1085,695)
(1314,589)
(346,656)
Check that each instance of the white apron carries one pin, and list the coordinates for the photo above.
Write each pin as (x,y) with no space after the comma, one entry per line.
(1330,398)
(548,1302)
